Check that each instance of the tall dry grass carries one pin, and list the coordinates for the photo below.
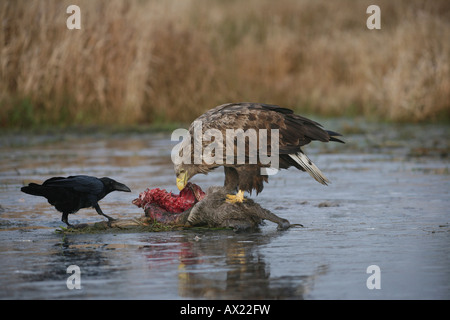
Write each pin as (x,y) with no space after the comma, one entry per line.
(157,61)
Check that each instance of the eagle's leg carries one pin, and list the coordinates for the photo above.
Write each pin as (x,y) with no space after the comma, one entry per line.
(238,197)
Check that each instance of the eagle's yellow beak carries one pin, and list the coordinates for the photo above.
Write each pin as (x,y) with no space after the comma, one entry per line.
(181,180)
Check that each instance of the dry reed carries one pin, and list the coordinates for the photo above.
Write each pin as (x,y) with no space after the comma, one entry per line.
(136,62)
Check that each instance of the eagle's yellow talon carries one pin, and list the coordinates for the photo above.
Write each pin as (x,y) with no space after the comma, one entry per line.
(238,197)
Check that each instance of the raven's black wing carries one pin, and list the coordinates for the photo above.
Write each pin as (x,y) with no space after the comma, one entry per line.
(84,184)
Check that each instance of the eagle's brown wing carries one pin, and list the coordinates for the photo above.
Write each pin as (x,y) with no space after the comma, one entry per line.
(294,132)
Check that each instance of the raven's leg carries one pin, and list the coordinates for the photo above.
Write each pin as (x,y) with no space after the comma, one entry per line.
(100,212)
(64,219)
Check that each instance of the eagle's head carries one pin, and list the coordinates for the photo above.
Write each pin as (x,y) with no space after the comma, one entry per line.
(185,171)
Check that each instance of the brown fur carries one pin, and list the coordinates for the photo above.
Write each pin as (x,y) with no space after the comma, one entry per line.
(214,211)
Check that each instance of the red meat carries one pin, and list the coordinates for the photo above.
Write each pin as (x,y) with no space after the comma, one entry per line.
(159,204)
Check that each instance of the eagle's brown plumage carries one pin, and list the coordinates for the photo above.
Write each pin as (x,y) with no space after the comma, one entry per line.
(295,131)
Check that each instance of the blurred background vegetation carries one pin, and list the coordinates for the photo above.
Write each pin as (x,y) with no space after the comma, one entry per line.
(140,62)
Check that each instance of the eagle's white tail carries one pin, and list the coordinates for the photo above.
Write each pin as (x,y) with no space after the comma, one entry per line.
(310,167)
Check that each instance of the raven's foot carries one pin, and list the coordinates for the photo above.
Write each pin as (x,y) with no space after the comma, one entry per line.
(110,220)
(238,197)
(75,226)
(68,224)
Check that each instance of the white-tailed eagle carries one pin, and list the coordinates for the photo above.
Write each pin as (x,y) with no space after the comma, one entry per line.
(242,137)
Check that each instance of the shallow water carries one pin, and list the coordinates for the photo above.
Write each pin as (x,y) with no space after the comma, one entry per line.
(388,205)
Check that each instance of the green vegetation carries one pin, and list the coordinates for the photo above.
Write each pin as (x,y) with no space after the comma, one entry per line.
(128,227)
(101,227)
(160,62)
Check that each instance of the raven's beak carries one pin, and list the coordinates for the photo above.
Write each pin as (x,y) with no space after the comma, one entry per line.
(181,180)
(121,187)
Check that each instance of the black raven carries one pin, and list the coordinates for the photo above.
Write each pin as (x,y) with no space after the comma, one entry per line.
(68,195)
